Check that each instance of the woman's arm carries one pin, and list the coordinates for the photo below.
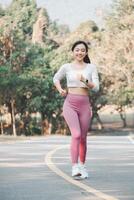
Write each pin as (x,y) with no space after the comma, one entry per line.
(59,75)
(95,79)
(59,88)
(94,84)
(87,82)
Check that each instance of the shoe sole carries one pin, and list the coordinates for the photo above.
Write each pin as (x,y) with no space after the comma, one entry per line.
(79,178)
(77,175)
(83,177)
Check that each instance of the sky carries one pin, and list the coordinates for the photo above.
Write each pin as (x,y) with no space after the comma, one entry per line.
(73,12)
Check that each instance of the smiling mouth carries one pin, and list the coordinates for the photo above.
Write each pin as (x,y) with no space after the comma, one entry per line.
(80,56)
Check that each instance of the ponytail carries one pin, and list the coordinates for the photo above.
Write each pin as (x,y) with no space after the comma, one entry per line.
(87,59)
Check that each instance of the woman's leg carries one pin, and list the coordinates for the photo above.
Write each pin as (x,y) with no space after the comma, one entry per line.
(72,120)
(84,117)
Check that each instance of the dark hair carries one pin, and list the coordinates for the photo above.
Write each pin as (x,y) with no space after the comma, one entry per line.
(86,59)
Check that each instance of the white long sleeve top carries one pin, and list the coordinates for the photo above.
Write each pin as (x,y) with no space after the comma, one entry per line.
(67,70)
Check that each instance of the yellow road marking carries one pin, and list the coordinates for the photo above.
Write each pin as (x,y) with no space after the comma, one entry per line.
(52,166)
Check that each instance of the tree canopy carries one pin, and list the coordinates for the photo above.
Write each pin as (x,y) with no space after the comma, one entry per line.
(27,66)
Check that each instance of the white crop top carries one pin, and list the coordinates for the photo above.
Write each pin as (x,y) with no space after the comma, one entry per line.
(68,71)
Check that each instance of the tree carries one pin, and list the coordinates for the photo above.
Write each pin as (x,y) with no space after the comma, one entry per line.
(25,73)
(23,20)
(2,11)
(115,55)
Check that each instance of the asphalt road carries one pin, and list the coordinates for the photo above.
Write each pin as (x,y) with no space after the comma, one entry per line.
(40,169)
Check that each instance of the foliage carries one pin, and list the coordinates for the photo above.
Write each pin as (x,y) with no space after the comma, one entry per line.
(116,55)
(26,69)
(2,11)
(23,20)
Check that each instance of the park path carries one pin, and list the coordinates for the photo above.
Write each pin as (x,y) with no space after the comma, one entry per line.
(40,168)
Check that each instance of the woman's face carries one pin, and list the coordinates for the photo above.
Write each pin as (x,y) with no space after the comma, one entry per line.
(79,52)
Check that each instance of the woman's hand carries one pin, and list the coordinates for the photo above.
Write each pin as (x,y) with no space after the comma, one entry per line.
(63,92)
(80,77)
(60,90)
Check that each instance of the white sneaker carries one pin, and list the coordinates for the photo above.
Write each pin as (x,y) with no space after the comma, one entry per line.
(83,171)
(75,170)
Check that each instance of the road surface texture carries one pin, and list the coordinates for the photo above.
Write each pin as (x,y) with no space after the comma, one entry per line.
(40,169)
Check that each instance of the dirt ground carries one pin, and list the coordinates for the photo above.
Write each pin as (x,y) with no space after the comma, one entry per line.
(112,123)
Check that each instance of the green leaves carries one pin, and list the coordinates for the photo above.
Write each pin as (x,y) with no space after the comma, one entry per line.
(23,15)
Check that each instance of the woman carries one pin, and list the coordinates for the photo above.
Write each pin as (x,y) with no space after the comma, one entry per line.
(81,76)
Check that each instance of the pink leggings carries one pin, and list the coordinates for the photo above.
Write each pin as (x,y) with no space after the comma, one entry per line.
(77,113)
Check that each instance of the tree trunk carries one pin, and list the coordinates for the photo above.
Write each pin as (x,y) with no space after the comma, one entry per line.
(99,122)
(122,115)
(1,128)
(123,118)
(46,127)
(13,117)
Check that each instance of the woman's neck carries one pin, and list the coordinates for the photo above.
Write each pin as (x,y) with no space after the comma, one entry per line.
(76,62)
(79,65)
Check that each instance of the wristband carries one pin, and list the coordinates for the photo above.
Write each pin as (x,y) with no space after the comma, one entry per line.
(85,81)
